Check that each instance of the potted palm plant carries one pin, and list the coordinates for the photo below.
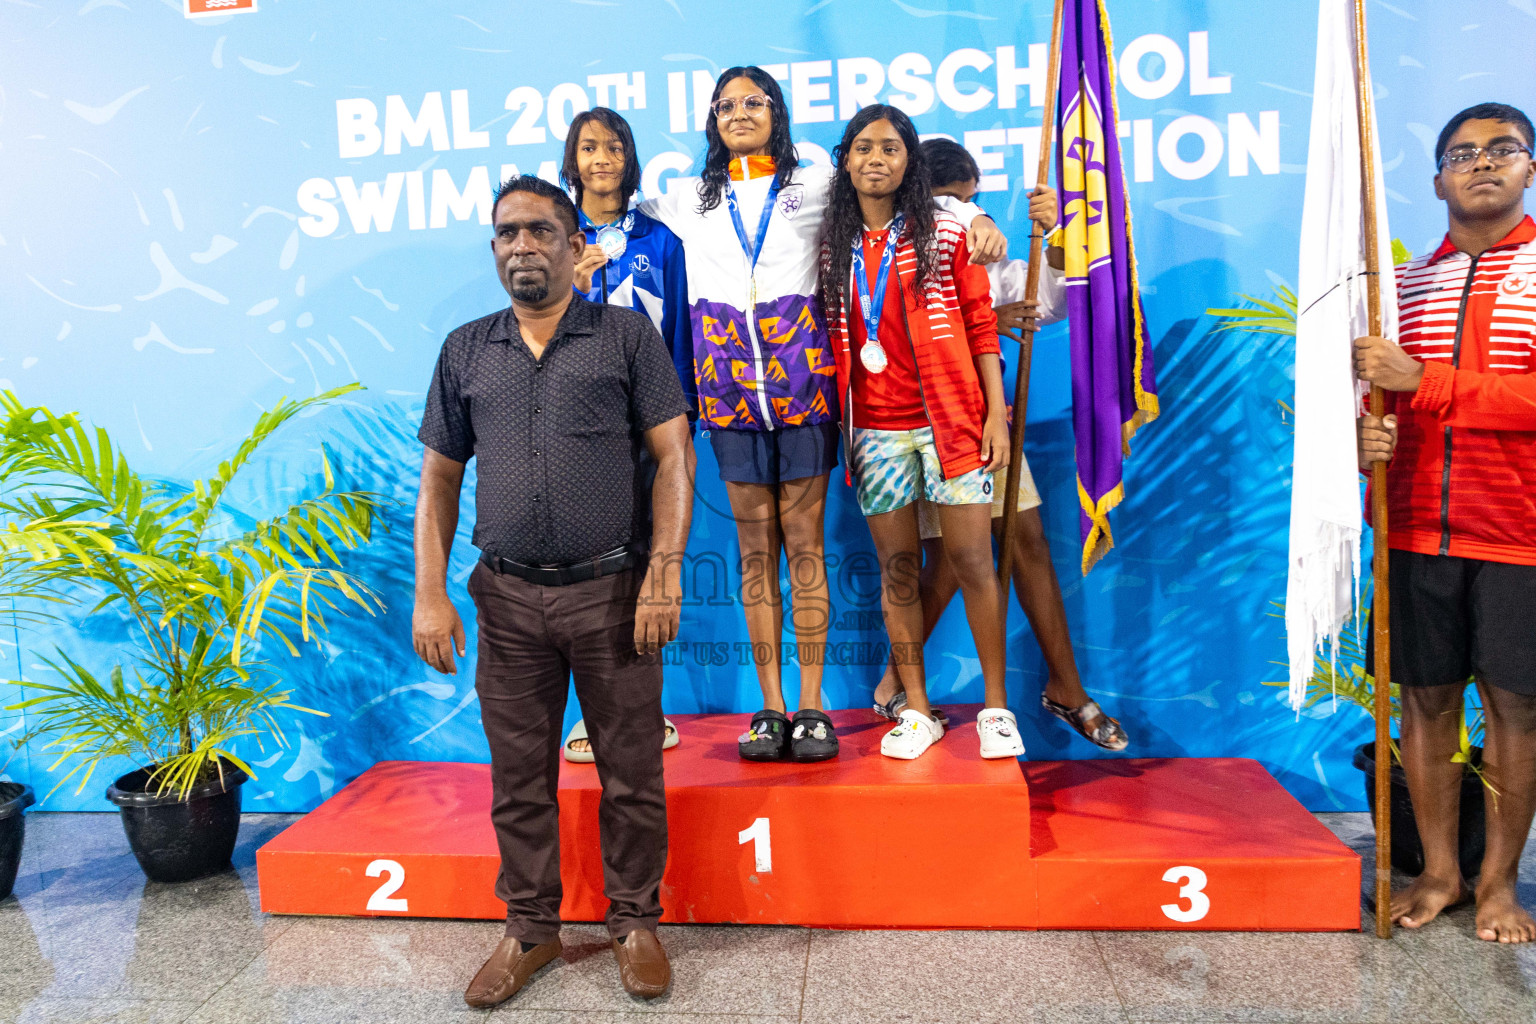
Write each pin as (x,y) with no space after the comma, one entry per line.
(206,600)
(1345,679)
(15,798)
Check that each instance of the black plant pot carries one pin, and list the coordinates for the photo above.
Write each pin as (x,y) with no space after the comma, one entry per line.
(177,839)
(14,799)
(1407,851)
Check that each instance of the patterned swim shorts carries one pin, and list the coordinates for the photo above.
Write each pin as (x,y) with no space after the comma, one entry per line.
(897,467)
(928,527)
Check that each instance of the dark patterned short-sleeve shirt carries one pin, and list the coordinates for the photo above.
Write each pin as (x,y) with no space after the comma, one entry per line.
(557,440)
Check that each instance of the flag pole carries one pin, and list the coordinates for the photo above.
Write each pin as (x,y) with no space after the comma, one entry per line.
(1027,333)
(1380,613)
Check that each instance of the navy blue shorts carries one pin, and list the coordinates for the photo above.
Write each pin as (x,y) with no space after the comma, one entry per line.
(770,457)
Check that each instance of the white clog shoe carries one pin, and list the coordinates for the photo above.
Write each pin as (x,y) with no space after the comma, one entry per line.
(999,733)
(914,733)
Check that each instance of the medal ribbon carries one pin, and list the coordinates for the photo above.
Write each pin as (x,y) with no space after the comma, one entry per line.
(873,305)
(753,249)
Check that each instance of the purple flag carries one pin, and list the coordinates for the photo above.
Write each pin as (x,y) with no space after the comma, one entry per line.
(1113,388)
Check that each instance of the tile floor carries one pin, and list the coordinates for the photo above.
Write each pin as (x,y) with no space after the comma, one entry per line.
(87,938)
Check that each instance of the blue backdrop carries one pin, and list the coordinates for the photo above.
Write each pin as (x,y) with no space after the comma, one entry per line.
(200,215)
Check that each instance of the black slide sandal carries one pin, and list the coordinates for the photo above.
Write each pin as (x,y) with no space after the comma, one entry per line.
(767,739)
(1108,734)
(813,737)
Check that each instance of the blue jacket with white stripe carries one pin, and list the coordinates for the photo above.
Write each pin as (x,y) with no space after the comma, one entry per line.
(652,277)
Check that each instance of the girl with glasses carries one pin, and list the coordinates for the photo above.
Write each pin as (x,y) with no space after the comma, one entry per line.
(767,386)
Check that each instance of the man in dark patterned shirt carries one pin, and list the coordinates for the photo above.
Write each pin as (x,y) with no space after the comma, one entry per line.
(556,398)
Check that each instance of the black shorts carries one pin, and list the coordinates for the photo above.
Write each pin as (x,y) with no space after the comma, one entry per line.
(771,457)
(1454,619)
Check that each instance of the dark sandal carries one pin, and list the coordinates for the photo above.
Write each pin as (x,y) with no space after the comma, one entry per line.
(767,739)
(813,737)
(1108,735)
(893,708)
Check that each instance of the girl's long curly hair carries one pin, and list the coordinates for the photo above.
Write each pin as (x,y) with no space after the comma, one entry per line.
(844,220)
(717,159)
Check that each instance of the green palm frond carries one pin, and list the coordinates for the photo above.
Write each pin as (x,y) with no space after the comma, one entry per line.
(1261,316)
(209,492)
(75,517)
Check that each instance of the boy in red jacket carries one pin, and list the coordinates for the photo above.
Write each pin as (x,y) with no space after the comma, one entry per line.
(1461,497)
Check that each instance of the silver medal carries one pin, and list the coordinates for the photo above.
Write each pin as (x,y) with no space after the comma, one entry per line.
(873,357)
(611,240)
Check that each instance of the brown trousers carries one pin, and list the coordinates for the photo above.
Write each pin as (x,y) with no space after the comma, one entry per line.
(533,639)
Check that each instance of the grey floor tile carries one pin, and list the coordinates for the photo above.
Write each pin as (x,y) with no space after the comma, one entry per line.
(1493,983)
(324,965)
(505,1016)
(958,976)
(25,970)
(1225,976)
(133,937)
(330,1006)
(1353,828)
(58,841)
(715,969)
(89,925)
(327,969)
(93,1011)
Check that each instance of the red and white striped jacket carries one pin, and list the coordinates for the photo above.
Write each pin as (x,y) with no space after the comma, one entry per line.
(949,326)
(1463,479)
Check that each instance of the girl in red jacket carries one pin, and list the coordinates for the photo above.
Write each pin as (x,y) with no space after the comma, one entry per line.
(915,342)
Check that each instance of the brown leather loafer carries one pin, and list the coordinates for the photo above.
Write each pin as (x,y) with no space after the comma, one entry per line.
(643,964)
(508,970)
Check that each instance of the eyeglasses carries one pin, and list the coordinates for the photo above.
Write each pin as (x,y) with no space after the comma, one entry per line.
(1462,158)
(753,105)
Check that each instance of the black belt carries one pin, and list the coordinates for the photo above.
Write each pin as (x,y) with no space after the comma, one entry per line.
(605,564)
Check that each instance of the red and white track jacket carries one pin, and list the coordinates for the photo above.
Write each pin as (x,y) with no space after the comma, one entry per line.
(948,325)
(1463,479)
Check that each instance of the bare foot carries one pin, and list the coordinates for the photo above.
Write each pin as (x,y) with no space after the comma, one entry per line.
(1425,897)
(1501,918)
(888,687)
(1070,695)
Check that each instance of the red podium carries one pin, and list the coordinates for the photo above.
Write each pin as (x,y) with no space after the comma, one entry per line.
(863,841)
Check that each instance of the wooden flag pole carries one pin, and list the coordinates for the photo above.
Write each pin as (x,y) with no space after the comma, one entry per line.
(1380,612)
(1027,333)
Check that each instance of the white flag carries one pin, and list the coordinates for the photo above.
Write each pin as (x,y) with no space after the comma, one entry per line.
(1331,312)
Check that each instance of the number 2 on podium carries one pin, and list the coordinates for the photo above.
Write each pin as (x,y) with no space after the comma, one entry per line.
(383,897)
(1191,883)
(762,843)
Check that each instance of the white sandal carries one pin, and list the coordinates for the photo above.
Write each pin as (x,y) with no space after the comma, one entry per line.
(579,732)
(914,734)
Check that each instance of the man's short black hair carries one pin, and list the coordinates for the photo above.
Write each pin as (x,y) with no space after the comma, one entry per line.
(612,120)
(1486,112)
(948,162)
(539,187)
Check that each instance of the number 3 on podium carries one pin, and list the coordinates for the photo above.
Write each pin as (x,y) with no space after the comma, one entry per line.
(1191,883)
